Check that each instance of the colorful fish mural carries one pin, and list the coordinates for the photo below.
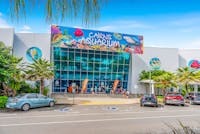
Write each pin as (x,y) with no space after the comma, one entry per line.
(78,33)
(33,53)
(194,64)
(97,40)
(155,63)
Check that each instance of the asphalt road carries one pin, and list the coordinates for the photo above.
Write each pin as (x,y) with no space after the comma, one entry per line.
(112,119)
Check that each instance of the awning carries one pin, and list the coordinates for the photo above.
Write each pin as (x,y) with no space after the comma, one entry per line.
(148,81)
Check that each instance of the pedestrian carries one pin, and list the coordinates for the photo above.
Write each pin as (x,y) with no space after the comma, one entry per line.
(95,89)
(127,94)
(99,89)
(92,90)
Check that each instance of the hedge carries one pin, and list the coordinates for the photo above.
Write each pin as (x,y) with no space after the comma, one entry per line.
(3,101)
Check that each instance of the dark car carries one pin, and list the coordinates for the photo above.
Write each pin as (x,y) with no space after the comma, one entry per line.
(193,98)
(148,100)
(174,98)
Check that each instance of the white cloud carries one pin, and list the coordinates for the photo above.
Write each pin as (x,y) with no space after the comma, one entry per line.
(122,25)
(187,30)
(106,28)
(78,27)
(4,23)
(186,20)
(134,24)
(25,29)
(192,44)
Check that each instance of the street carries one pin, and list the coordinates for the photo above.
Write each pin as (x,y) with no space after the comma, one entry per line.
(98,119)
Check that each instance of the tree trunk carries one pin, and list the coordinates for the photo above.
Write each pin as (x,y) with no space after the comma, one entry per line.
(164,91)
(186,87)
(42,86)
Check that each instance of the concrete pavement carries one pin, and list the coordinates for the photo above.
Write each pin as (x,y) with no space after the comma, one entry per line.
(103,101)
(98,119)
(94,99)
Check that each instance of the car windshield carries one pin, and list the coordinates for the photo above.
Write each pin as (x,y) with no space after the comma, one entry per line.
(20,95)
(197,94)
(176,94)
(148,95)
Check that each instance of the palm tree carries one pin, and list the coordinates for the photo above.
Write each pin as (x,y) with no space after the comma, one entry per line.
(40,70)
(10,71)
(165,80)
(185,76)
(88,10)
(162,78)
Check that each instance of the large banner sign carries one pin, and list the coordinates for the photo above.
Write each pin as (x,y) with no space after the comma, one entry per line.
(96,40)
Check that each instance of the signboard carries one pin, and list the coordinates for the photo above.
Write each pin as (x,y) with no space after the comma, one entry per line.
(155,63)
(33,53)
(96,40)
(194,64)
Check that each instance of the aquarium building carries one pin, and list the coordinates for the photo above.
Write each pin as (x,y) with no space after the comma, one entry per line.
(96,60)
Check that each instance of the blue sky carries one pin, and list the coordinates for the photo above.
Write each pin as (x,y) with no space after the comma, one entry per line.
(163,23)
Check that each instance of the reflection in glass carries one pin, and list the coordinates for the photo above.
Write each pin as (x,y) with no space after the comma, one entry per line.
(99,67)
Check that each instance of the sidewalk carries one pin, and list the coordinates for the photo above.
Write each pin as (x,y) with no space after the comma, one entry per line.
(97,101)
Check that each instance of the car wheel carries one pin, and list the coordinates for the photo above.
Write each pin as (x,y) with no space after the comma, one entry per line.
(25,107)
(183,105)
(51,104)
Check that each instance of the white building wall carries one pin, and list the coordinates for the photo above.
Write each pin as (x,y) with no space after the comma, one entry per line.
(171,58)
(23,41)
(186,55)
(7,36)
(169,62)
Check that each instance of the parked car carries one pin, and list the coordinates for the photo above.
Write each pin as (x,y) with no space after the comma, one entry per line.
(29,100)
(193,98)
(148,99)
(174,98)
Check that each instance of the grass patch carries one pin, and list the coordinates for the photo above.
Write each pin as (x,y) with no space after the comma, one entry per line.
(3,101)
(160,99)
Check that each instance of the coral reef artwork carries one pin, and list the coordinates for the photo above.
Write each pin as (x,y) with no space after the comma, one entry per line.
(96,40)
(155,63)
(194,64)
(33,53)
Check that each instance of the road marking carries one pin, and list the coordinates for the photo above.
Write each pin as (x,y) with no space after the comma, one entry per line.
(87,114)
(97,120)
(2,115)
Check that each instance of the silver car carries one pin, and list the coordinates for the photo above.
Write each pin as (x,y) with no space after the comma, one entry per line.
(29,100)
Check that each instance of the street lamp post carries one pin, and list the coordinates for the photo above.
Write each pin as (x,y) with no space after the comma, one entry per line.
(150,81)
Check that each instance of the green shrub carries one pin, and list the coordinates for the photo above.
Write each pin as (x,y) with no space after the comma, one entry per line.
(27,88)
(160,99)
(46,89)
(185,92)
(3,101)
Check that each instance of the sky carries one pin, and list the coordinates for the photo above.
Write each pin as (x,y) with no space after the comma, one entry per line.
(163,23)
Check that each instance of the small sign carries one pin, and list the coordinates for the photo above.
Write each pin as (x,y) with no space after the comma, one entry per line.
(155,63)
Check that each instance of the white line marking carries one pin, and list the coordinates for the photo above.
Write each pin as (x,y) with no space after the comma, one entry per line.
(98,120)
(7,115)
(93,114)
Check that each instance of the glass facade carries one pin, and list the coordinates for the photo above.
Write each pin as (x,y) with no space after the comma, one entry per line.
(101,68)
